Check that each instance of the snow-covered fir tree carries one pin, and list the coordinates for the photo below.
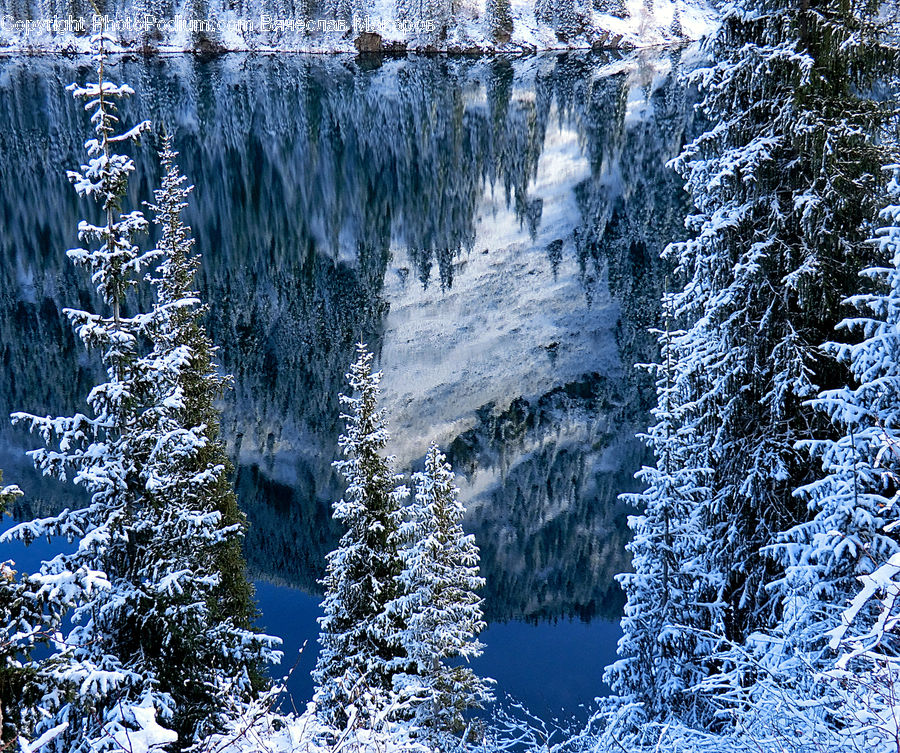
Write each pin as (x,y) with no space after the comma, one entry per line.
(854,502)
(853,532)
(209,658)
(88,685)
(829,678)
(414,14)
(349,11)
(675,28)
(560,15)
(439,606)
(361,641)
(783,184)
(17,633)
(145,645)
(663,657)
(177,328)
(498,21)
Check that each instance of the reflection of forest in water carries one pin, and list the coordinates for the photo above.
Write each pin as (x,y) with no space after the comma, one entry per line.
(317,181)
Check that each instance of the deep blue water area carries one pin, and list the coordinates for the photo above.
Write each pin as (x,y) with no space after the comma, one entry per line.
(491,227)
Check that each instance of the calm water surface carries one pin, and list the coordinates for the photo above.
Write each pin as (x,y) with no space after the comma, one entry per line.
(490,227)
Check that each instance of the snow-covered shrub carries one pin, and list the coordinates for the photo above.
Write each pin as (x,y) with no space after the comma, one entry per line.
(261,730)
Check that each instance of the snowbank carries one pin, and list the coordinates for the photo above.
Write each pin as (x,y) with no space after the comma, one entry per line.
(261,731)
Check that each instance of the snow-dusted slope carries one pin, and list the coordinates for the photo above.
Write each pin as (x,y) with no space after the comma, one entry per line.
(373,25)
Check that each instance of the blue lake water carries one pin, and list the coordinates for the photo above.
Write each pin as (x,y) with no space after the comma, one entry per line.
(491,227)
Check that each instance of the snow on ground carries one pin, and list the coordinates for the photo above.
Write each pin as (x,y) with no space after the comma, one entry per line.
(641,28)
(260,731)
(507,327)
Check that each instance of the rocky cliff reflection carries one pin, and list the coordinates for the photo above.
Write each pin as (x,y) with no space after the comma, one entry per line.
(490,227)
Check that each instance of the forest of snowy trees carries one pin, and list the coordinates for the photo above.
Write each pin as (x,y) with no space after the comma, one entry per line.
(773,491)
(372,26)
(763,600)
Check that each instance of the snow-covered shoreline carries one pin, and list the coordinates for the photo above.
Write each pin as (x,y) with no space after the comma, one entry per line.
(265,30)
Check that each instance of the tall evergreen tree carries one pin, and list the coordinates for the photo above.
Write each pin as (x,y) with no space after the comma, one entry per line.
(783,184)
(208,657)
(177,328)
(439,605)
(361,645)
(802,695)
(560,15)
(855,501)
(146,640)
(498,21)
(856,505)
(89,686)
(662,656)
(17,635)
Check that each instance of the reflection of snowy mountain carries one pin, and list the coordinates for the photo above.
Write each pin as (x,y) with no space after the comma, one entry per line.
(490,227)
(511,325)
